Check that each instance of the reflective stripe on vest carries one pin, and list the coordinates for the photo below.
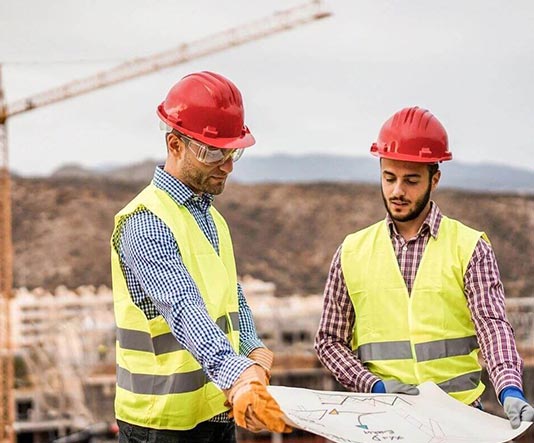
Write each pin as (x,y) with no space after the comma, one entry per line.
(164,343)
(463,382)
(392,350)
(398,350)
(427,335)
(424,352)
(445,348)
(160,385)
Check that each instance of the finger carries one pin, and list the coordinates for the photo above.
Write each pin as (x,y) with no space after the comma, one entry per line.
(287,429)
(253,421)
(281,427)
(411,390)
(254,425)
(514,418)
(271,420)
(240,421)
(239,418)
(527,413)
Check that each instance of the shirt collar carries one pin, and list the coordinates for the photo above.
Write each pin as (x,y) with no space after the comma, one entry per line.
(178,190)
(431,223)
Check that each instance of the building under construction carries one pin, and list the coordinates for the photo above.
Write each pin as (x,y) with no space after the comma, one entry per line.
(65,355)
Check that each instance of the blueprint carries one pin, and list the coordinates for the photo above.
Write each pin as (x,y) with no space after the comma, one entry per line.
(431,417)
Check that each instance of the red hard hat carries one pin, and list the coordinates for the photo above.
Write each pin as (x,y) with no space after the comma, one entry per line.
(414,135)
(207,107)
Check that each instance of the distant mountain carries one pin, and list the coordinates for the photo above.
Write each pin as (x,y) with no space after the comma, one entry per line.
(313,168)
(283,233)
(333,168)
(73,170)
(141,171)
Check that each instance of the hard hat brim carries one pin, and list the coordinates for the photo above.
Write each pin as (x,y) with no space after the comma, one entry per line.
(409,158)
(241,142)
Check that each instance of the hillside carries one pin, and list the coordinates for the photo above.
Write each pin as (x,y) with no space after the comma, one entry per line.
(284,233)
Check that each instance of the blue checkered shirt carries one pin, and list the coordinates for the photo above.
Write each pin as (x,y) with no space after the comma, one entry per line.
(160,284)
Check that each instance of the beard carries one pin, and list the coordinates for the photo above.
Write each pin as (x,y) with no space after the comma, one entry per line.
(420,205)
(199,181)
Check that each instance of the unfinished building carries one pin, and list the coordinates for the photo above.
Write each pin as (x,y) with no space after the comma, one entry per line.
(65,353)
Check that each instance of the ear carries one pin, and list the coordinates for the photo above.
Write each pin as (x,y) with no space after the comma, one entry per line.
(435,179)
(175,146)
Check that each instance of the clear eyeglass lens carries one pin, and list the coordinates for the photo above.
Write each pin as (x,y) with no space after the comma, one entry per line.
(237,154)
(212,156)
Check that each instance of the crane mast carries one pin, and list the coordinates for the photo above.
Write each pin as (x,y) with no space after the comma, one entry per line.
(7,406)
(277,22)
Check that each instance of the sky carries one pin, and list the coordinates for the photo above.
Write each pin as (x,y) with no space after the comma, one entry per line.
(322,87)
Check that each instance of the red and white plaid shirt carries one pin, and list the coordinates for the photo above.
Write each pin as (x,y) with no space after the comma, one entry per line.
(485,297)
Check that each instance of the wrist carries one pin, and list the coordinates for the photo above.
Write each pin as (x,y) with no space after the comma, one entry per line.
(379,387)
(230,371)
(264,357)
(244,382)
(511,391)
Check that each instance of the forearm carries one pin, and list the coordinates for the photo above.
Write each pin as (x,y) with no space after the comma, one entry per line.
(196,331)
(248,336)
(334,337)
(343,363)
(497,344)
(486,300)
(152,256)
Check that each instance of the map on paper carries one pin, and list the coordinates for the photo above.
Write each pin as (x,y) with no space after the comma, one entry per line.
(431,417)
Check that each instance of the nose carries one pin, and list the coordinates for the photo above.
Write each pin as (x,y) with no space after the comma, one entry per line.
(227,166)
(398,189)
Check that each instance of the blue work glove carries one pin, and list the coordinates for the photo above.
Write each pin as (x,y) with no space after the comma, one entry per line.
(516,406)
(394,386)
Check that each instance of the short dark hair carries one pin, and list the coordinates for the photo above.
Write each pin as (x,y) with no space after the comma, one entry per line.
(432,169)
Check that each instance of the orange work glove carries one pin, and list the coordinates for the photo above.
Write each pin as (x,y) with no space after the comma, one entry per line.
(253,408)
(253,373)
(264,358)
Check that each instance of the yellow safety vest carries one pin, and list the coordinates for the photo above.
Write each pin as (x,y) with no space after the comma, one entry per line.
(425,336)
(160,384)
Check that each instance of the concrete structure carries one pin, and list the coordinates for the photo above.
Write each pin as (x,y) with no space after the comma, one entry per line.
(65,345)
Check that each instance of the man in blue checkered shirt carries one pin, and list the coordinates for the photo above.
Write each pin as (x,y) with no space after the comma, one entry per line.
(187,350)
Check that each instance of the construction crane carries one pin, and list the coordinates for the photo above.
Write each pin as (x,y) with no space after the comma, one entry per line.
(279,21)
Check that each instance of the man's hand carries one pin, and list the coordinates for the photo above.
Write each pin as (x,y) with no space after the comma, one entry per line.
(264,358)
(253,408)
(394,386)
(516,406)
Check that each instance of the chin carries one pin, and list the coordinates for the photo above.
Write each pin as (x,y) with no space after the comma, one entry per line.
(398,212)
(216,190)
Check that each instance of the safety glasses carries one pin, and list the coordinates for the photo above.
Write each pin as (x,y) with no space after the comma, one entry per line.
(208,154)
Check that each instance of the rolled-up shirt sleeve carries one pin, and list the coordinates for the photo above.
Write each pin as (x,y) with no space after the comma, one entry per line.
(334,336)
(150,252)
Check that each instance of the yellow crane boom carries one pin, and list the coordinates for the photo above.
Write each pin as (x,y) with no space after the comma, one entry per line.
(280,21)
